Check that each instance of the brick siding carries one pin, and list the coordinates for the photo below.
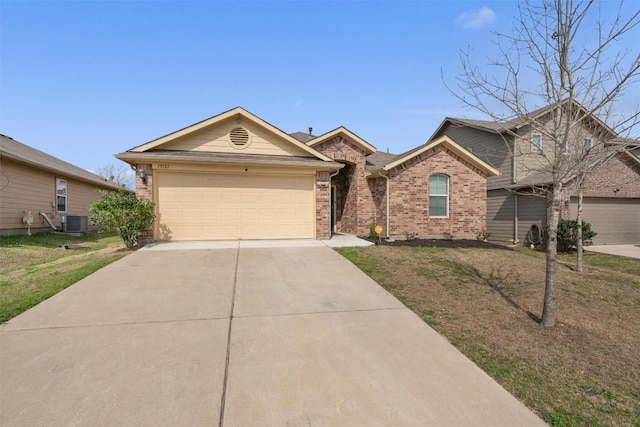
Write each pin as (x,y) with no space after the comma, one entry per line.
(409,197)
(145,192)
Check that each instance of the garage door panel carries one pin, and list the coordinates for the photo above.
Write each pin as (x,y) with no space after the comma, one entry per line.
(617,221)
(210,207)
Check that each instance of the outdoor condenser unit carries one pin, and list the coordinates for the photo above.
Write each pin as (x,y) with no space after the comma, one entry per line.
(76,223)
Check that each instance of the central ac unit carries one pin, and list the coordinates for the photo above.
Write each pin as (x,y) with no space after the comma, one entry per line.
(76,223)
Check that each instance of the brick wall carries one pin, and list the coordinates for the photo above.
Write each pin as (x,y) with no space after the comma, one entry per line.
(145,192)
(355,208)
(409,197)
(323,205)
(619,173)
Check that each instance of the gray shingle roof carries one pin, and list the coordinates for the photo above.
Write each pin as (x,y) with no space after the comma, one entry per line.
(12,149)
(302,136)
(379,159)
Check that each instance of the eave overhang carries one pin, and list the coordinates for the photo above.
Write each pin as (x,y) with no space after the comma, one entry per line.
(355,139)
(225,158)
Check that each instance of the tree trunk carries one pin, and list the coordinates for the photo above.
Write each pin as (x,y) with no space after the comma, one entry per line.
(580,247)
(549,309)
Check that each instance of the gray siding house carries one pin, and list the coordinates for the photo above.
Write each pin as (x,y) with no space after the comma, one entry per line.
(611,192)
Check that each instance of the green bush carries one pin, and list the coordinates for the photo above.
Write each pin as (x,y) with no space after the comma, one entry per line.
(124,213)
(567,234)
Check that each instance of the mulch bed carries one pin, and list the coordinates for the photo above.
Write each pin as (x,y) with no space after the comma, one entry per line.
(441,243)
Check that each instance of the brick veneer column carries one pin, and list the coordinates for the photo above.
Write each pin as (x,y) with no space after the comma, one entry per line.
(323,205)
(145,192)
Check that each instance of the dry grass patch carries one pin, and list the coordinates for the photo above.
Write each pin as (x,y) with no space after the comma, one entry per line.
(487,302)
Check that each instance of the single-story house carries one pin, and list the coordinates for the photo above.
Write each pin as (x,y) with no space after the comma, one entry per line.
(611,192)
(235,176)
(39,192)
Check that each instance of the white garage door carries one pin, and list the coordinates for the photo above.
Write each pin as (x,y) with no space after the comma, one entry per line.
(218,207)
(617,221)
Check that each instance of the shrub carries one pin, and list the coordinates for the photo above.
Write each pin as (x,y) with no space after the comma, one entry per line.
(567,234)
(372,231)
(124,213)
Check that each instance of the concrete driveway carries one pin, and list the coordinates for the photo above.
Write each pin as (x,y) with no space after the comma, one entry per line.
(286,336)
(631,251)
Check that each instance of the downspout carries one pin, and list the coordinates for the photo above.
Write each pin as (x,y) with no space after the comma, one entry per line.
(331,220)
(514,180)
(387,178)
(515,219)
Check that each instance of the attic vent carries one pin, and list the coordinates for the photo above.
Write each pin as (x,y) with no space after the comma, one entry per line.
(239,137)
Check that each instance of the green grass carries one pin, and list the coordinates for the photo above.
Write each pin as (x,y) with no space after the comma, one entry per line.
(35,267)
(486,302)
(44,285)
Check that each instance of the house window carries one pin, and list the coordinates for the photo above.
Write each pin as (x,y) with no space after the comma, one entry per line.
(61,195)
(587,144)
(536,143)
(438,196)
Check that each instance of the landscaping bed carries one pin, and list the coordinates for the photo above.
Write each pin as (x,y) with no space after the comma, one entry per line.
(440,243)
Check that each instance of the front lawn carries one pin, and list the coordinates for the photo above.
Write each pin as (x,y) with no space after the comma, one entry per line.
(487,302)
(34,268)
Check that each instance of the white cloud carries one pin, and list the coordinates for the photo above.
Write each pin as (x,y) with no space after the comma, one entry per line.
(477,18)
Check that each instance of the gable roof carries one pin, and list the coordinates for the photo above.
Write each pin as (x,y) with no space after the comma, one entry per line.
(239,113)
(448,143)
(343,131)
(14,150)
(513,124)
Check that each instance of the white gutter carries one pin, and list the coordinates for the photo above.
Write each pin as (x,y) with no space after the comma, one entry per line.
(331,220)
(515,219)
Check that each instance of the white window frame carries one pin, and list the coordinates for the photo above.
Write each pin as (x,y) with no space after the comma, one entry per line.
(445,196)
(536,147)
(62,192)
(588,146)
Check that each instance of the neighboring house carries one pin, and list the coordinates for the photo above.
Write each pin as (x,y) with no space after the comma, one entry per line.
(39,186)
(235,176)
(611,191)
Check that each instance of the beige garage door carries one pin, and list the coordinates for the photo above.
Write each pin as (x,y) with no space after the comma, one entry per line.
(218,207)
(617,221)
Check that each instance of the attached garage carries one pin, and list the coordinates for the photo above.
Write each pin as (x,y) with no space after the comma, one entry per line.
(233,176)
(200,206)
(616,220)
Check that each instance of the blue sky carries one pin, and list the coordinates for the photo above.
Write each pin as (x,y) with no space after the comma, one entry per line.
(83,80)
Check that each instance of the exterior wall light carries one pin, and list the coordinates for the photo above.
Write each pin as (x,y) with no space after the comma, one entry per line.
(143,176)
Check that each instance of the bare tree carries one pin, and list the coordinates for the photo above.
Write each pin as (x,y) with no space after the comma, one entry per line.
(118,173)
(563,56)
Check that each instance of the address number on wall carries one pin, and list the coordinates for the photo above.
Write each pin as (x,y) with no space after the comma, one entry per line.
(162,166)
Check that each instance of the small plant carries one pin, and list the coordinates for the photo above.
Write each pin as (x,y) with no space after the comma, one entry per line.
(483,235)
(372,231)
(124,213)
(568,232)
(410,235)
(448,235)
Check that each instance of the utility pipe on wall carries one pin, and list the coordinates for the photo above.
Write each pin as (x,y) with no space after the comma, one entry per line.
(331,220)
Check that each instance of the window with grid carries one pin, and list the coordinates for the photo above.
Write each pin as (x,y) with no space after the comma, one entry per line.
(536,142)
(438,195)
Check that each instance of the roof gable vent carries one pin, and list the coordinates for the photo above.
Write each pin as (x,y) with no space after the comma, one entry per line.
(239,137)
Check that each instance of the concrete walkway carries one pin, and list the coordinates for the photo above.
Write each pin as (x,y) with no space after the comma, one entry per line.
(285,336)
(631,251)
